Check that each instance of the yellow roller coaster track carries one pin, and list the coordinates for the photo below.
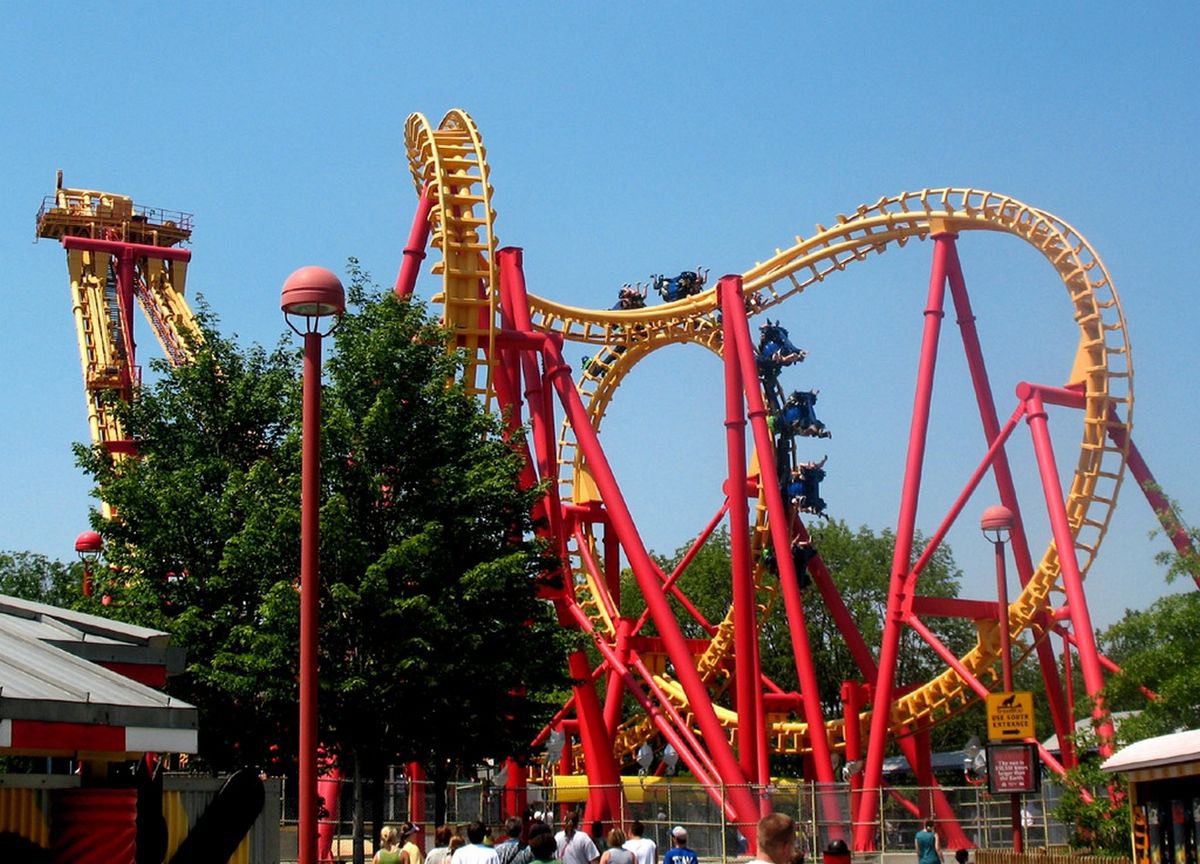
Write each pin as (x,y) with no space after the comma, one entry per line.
(1102,369)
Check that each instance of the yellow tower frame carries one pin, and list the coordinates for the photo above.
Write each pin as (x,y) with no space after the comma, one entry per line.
(118,251)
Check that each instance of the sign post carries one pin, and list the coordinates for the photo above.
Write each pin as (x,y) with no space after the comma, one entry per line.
(1012,763)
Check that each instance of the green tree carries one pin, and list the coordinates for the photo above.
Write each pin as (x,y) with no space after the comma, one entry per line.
(860,564)
(446,656)
(1095,805)
(203,534)
(33,576)
(1159,649)
(433,647)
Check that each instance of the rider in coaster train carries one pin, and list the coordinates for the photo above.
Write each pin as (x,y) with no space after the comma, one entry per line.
(775,349)
(631,297)
(804,488)
(797,416)
(686,284)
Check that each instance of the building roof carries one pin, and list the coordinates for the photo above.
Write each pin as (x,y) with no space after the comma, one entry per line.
(91,637)
(55,699)
(1173,749)
(1084,725)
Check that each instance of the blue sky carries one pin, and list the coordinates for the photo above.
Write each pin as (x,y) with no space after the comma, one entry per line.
(627,139)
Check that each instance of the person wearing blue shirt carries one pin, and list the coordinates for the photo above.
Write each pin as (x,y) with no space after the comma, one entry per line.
(680,853)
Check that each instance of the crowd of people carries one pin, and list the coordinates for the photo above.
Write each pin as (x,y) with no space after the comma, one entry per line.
(534,841)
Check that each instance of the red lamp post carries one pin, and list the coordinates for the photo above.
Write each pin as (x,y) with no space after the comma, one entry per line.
(309,295)
(87,547)
(996,524)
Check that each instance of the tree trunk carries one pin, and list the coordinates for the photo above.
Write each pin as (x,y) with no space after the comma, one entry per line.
(379,791)
(439,794)
(357,829)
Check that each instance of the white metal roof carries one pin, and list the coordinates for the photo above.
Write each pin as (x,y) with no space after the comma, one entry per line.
(1153,752)
(51,673)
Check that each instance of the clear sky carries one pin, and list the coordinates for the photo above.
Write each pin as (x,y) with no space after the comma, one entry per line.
(626,139)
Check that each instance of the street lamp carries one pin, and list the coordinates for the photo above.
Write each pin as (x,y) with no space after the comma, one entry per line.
(996,524)
(309,295)
(87,547)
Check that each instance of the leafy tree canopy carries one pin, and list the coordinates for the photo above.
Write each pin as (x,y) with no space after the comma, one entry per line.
(35,577)
(433,646)
(860,564)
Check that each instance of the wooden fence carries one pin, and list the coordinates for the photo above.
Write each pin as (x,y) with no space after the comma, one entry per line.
(1055,855)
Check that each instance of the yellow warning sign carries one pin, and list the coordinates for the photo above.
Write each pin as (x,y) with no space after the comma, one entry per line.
(1010,716)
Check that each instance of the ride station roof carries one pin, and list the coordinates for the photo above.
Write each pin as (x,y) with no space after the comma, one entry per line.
(71,685)
(1174,755)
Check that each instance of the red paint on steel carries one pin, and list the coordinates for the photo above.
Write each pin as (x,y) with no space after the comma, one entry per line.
(310,597)
(745,619)
(902,553)
(1005,485)
(414,250)
(1081,621)
(67,737)
(94,825)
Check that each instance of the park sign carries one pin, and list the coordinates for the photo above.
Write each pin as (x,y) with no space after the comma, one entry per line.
(1013,769)
(1010,716)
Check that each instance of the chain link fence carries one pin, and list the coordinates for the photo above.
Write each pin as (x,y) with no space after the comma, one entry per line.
(822,810)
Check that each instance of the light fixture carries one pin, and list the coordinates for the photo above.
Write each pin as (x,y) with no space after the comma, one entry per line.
(670,759)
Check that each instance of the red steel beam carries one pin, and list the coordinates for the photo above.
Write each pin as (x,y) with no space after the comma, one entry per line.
(902,553)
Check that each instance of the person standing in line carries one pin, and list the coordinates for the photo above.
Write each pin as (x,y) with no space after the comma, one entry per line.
(440,853)
(680,853)
(615,851)
(475,851)
(776,839)
(413,852)
(928,846)
(389,851)
(509,849)
(575,846)
(542,846)
(643,848)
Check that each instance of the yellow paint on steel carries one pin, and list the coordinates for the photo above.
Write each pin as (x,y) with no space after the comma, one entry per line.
(159,286)
(26,813)
(450,162)
(1102,368)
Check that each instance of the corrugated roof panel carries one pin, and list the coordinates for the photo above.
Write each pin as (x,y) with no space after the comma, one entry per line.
(1152,752)
(31,669)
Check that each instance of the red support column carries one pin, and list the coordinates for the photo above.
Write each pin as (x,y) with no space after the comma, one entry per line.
(780,524)
(310,597)
(414,250)
(1081,622)
(901,559)
(1004,482)
(558,374)
(416,792)
(747,675)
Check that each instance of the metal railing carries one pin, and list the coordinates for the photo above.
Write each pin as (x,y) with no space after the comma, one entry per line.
(822,810)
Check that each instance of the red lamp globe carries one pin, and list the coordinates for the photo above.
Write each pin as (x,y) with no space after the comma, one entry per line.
(312,292)
(88,545)
(996,522)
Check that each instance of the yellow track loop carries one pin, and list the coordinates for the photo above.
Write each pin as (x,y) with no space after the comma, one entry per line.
(1103,369)
(450,161)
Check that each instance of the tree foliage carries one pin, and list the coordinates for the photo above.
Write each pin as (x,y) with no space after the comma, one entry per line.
(433,646)
(860,564)
(203,532)
(1094,805)
(33,576)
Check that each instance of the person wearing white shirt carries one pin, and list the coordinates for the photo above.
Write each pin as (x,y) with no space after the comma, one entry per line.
(574,846)
(644,849)
(475,852)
